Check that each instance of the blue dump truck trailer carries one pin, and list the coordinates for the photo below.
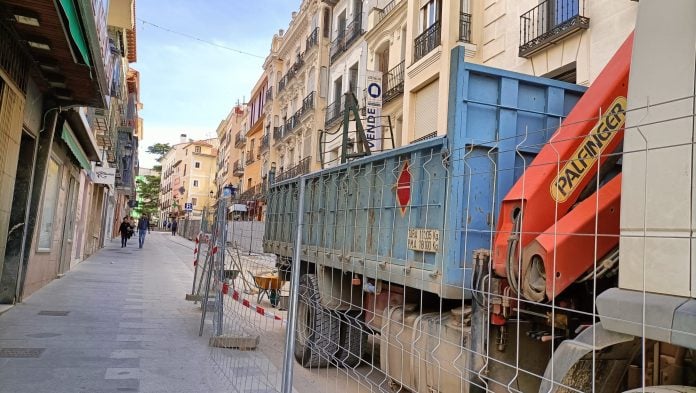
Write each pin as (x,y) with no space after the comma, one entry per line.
(389,241)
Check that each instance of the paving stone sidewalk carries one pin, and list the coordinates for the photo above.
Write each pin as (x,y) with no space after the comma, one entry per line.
(117,322)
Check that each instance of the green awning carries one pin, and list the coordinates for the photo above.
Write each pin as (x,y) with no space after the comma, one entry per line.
(69,137)
(75,28)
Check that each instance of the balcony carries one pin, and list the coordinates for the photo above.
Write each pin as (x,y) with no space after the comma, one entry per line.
(346,38)
(393,82)
(290,124)
(550,22)
(265,143)
(254,193)
(334,111)
(464,27)
(278,132)
(381,14)
(312,39)
(307,104)
(249,157)
(282,83)
(239,140)
(300,169)
(427,41)
(269,94)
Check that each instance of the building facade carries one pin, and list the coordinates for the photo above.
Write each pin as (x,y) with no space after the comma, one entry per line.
(55,94)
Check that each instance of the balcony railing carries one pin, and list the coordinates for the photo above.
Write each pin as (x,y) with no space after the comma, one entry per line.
(393,82)
(312,39)
(269,94)
(464,27)
(307,103)
(347,37)
(335,110)
(427,41)
(238,168)
(550,22)
(282,83)
(254,193)
(385,11)
(338,46)
(300,169)
(290,124)
(249,157)
(239,140)
(278,132)
(265,143)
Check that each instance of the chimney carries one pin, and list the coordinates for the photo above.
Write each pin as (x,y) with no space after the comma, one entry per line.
(182,138)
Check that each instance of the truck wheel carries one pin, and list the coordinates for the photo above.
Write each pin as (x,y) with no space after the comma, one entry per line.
(353,340)
(318,329)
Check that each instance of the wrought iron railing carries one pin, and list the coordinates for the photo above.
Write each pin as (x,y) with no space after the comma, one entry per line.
(237,167)
(334,110)
(312,39)
(347,37)
(550,21)
(290,124)
(308,103)
(265,142)
(282,83)
(337,46)
(393,82)
(269,94)
(427,41)
(385,11)
(464,27)
(300,169)
(239,139)
(249,157)
(254,193)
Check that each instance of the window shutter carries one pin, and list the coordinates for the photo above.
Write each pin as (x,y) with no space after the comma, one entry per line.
(426,110)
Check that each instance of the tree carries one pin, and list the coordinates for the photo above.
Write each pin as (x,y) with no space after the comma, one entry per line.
(148,189)
(159,149)
(157,168)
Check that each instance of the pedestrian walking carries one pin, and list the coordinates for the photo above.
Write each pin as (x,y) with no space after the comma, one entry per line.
(174,226)
(124,230)
(143,227)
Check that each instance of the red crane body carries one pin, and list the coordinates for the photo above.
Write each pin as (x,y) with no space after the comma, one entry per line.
(544,235)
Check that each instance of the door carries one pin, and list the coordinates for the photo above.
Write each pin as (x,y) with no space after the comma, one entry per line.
(68,227)
(11,273)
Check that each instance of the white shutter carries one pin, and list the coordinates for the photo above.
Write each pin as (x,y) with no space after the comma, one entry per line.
(426,110)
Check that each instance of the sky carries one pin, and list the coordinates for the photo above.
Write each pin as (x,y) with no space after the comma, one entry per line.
(188,86)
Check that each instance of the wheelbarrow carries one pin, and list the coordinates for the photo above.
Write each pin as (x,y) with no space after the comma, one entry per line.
(268,285)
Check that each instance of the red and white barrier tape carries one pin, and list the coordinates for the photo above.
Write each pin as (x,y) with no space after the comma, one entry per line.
(237,296)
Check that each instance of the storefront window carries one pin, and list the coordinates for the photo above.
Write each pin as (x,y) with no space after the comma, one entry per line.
(48,209)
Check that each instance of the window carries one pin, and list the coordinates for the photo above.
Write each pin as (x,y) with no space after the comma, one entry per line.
(196,164)
(430,13)
(195,183)
(48,210)
(194,201)
(197,149)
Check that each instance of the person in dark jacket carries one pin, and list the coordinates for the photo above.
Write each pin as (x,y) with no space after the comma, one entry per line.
(174,226)
(143,227)
(124,230)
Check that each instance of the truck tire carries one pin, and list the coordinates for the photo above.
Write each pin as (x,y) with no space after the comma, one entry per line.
(353,340)
(318,329)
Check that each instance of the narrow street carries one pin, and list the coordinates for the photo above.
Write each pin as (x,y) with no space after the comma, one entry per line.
(127,328)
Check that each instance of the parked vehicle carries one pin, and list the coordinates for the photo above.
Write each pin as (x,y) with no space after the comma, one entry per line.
(489,258)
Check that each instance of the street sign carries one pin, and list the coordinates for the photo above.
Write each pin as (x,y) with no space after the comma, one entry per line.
(373,104)
(188,207)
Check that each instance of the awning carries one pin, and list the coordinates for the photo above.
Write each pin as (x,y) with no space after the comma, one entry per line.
(69,137)
(75,28)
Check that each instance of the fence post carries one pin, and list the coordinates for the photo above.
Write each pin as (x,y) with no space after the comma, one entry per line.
(222,228)
(288,362)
